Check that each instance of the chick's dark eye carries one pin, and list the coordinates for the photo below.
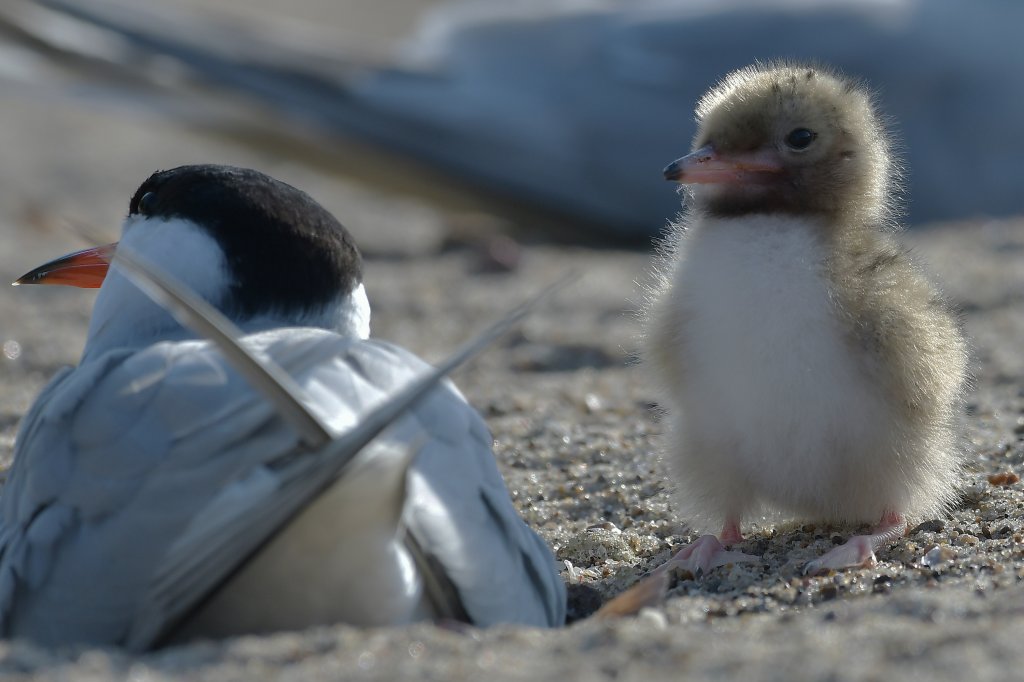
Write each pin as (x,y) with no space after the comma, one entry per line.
(147,202)
(801,138)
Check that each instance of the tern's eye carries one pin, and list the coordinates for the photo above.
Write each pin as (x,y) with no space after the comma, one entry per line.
(147,203)
(800,139)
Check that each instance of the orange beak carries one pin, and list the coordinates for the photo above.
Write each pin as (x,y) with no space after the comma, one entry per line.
(706,166)
(85,269)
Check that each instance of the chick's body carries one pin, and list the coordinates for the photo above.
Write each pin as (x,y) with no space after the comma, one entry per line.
(807,366)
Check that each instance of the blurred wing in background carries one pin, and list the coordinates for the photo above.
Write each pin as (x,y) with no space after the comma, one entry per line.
(570,106)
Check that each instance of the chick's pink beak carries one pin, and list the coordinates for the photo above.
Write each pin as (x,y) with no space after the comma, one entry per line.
(84,269)
(706,166)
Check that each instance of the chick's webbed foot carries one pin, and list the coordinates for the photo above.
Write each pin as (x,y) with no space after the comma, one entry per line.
(705,553)
(697,558)
(860,549)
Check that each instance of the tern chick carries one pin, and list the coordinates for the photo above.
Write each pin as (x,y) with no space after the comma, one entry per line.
(807,366)
(156,496)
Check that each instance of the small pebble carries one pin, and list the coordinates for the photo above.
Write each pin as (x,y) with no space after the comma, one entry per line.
(931,526)
(882,585)
(1003,478)
(654,618)
(967,539)
(936,556)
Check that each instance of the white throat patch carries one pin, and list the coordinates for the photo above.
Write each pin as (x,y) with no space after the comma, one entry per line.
(123,316)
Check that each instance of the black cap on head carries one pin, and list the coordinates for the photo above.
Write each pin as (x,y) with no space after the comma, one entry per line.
(284,251)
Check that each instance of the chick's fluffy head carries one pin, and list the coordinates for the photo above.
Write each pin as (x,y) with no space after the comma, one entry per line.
(846,169)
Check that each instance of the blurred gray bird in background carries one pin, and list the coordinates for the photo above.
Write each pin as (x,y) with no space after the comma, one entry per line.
(565,105)
(157,496)
(807,366)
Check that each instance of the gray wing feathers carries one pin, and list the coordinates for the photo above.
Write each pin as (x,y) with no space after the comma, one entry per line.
(249,512)
(170,435)
(161,432)
(225,530)
(501,569)
(460,512)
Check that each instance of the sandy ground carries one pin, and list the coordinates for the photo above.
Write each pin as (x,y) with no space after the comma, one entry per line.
(575,432)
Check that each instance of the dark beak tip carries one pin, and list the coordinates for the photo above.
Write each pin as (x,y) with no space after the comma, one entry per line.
(27,278)
(673,172)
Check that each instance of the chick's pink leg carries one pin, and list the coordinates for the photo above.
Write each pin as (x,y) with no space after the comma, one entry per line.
(860,549)
(709,552)
(731,534)
(698,558)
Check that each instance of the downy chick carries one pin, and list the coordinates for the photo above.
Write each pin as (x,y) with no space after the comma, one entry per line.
(807,366)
